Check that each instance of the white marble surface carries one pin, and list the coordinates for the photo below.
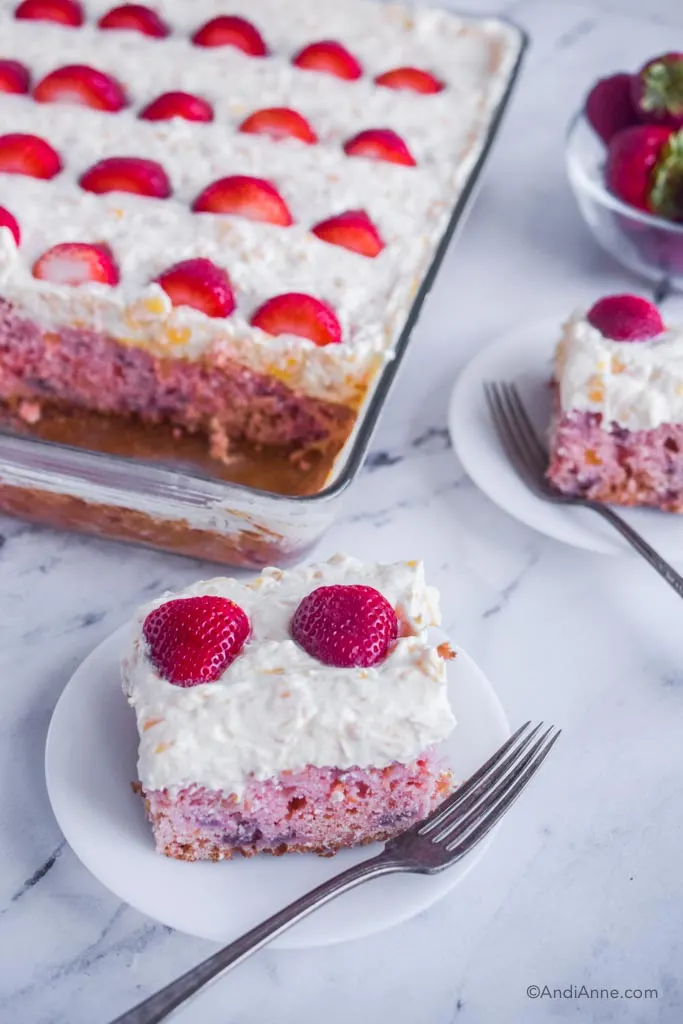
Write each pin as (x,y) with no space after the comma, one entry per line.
(582,884)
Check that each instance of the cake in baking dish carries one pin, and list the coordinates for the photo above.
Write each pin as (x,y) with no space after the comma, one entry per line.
(617,434)
(298,712)
(216,215)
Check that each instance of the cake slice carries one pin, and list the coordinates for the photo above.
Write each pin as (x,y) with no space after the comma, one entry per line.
(617,433)
(298,712)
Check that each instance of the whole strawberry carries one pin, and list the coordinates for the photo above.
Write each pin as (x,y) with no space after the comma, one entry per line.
(636,158)
(609,106)
(193,639)
(345,626)
(657,90)
(666,192)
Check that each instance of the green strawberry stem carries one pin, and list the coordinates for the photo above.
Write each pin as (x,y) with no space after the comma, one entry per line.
(666,192)
(663,87)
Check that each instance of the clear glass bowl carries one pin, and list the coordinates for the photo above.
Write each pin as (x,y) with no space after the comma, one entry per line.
(640,241)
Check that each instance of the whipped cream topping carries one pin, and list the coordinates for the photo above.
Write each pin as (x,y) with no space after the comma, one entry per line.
(410,206)
(636,384)
(336,108)
(276,708)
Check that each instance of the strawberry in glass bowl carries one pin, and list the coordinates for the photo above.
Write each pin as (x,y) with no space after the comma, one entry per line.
(624,158)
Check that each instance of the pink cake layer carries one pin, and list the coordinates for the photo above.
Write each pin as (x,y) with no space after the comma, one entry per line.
(617,466)
(316,810)
(75,367)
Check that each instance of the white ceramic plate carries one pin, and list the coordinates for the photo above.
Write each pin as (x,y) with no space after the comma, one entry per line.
(90,761)
(525,357)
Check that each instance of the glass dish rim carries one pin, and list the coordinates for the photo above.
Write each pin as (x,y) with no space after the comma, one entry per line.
(163,479)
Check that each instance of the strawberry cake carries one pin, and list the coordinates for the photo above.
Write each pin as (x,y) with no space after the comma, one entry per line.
(217,215)
(298,712)
(617,435)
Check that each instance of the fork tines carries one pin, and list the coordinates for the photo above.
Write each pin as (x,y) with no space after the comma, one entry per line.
(517,434)
(478,805)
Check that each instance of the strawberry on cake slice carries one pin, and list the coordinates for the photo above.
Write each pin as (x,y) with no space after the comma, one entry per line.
(298,712)
(617,434)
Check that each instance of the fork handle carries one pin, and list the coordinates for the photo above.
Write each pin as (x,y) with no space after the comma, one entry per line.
(642,547)
(164,1003)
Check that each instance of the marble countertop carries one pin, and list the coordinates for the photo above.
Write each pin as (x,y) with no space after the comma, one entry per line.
(581,885)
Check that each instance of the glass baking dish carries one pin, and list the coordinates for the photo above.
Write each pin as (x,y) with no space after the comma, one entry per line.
(179,510)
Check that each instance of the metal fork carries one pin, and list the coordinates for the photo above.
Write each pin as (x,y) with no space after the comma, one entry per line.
(529,457)
(442,839)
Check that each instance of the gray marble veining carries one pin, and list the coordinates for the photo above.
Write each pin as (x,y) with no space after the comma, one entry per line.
(581,885)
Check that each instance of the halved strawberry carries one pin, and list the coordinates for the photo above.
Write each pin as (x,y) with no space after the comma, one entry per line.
(279,123)
(14,77)
(331,58)
(411,79)
(380,144)
(301,315)
(177,104)
(86,86)
(28,154)
(229,30)
(64,12)
(626,318)
(346,626)
(199,283)
(135,18)
(244,196)
(353,230)
(8,220)
(192,640)
(76,263)
(127,174)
